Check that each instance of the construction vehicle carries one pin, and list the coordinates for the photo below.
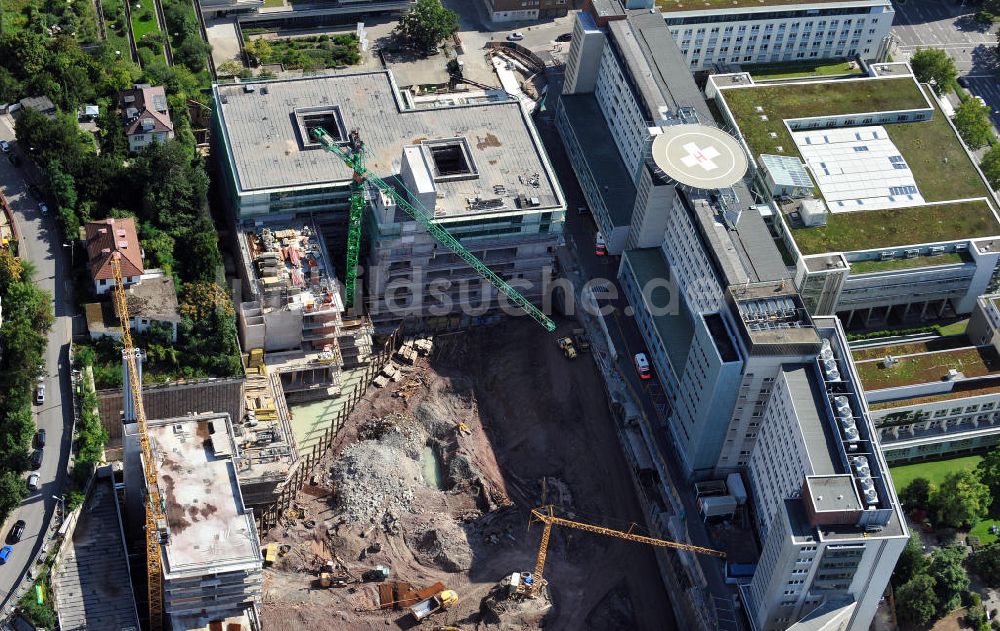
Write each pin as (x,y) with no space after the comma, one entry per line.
(582,340)
(270,554)
(157,532)
(566,344)
(546,514)
(353,157)
(438,602)
(378,573)
(462,428)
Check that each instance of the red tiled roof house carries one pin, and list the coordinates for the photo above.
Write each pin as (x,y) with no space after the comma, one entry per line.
(146,116)
(104,239)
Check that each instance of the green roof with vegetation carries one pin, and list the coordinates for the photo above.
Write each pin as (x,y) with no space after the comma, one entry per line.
(668,6)
(802,69)
(909,370)
(941,167)
(867,267)
(893,227)
(910,348)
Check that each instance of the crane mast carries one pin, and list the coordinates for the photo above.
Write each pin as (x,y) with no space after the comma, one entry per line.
(355,160)
(546,515)
(155,517)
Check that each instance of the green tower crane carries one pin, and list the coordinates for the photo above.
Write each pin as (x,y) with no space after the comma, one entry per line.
(353,157)
(354,216)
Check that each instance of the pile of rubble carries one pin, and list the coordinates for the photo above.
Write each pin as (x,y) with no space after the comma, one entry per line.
(375,479)
(439,540)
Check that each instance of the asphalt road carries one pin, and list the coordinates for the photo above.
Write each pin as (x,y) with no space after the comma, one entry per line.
(42,246)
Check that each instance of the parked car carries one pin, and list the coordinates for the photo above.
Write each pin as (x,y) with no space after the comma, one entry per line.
(16,531)
(40,438)
(565,37)
(600,245)
(4,146)
(5,553)
(34,191)
(36,458)
(40,394)
(962,81)
(982,101)
(516,36)
(42,208)
(33,484)
(642,365)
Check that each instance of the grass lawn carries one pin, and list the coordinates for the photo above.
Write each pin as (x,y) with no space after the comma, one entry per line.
(893,227)
(865,267)
(973,362)
(273,3)
(141,27)
(955,328)
(114,23)
(933,471)
(13,14)
(794,70)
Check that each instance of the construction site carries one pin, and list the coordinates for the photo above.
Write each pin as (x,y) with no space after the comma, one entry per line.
(428,491)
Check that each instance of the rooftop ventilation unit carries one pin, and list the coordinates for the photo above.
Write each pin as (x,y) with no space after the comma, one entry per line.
(825,351)
(860,466)
(952,375)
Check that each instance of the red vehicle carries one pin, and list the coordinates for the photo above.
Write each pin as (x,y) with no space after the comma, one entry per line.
(600,245)
(642,365)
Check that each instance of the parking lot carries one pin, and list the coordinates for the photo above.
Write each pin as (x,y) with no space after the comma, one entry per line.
(952,26)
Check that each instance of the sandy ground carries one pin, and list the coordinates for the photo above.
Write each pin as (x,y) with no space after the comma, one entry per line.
(533,414)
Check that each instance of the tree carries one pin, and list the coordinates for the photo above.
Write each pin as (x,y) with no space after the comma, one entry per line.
(260,49)
(912,562)
(990,165)
(962,500)
(427,23)
(950,578)
(986,563)
(934,64)
(972,120)
(917,493)
(915,600)
(192,53)
(231,68)
(10,270)
(61,185)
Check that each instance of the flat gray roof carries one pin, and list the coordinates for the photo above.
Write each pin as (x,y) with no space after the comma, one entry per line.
(833,493)
(807,398)
(265,150)
(210,529)
(91,584)
(675,328)
(614,182)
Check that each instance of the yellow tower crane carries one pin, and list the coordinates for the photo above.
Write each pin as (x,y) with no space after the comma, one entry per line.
(156,521)
(546,515)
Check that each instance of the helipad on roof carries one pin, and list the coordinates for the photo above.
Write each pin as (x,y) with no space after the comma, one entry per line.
(699,156)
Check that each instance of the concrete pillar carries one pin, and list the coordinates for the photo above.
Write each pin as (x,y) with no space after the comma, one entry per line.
(923,310)
(868,318)
(906,311)
(850,318)
(944,303)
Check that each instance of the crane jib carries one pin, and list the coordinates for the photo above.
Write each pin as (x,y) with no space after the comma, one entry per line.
(425,219)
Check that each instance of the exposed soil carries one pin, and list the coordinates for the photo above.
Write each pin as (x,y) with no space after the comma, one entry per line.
(533,415)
